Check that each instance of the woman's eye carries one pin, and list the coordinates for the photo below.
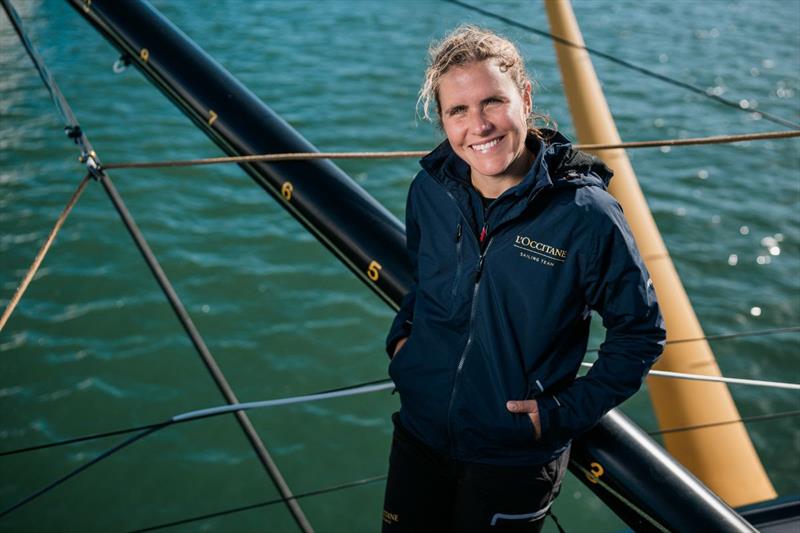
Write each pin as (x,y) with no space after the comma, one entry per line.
(493,101)
(457,111)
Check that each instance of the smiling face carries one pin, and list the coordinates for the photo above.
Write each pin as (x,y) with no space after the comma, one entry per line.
(484,116)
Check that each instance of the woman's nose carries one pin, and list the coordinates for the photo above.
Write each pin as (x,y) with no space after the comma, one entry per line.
(479,124)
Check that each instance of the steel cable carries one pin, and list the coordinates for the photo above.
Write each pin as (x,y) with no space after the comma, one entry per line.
(627,64)
(363,388)
(360,482)
(237,409)
(89,157)
(267,503)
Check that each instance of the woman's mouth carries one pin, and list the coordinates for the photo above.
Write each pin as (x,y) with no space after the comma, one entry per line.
(485,147)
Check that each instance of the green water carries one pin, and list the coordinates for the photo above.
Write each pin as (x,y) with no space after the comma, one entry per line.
(94,346)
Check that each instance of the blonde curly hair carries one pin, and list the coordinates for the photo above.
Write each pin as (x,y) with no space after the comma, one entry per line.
(462,46)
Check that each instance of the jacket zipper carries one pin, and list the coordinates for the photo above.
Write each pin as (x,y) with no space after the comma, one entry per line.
(473,306)
(458,263)
(463,357)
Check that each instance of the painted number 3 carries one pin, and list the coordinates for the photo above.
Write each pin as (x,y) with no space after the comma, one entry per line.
(597,471)
(373,270)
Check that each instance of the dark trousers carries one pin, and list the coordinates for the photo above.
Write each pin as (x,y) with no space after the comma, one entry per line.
(428,491)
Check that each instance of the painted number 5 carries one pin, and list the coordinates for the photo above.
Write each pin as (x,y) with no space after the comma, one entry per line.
(373,270)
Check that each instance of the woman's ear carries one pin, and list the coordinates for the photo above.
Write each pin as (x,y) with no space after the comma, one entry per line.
(527,99)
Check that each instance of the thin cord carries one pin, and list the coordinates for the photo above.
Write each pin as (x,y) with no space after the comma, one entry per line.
(717,379)
(723,336)
(37,262)
(63,108)
(726,336)
(370,386)
(89,157)
(333,488)
(757,418)
(629,65)
(204,413)
(300,156)
(83,438)
(81,468)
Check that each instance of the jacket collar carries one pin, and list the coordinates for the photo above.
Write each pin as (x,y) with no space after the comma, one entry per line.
(557,164)
(555,159)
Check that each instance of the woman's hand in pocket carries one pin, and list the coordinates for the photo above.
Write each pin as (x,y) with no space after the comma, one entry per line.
(399,345)
(529,407)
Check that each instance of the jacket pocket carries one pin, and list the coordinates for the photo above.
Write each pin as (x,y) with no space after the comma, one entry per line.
(393,363)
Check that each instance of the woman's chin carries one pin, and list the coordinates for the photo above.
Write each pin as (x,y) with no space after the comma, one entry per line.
(491,169)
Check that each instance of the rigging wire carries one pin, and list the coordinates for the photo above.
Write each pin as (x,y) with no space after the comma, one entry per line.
(727,336)
(62,107)
(350,390)
(37,261)
(80,469)
(360,482)
(756,418)
(196,415)
(216,411)
(333,488)
(301,156)
(89,157)
(627,64)
(716,379)
(185,417)
(77,135)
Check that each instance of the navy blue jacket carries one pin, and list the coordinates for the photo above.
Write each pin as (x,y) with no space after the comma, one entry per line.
(507,318)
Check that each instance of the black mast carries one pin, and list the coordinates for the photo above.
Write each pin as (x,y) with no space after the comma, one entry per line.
(629,471)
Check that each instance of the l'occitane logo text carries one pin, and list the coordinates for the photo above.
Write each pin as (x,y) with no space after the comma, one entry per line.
(536,246)
(390,518)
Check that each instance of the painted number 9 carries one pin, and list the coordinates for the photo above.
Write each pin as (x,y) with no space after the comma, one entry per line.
(373,270)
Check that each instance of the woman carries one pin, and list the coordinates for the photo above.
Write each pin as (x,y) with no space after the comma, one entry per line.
(514,240)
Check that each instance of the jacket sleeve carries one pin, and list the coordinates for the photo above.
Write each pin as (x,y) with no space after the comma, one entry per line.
(401,326)
(617,285)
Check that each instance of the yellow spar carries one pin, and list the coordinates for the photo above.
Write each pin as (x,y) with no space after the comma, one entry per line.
(723,457)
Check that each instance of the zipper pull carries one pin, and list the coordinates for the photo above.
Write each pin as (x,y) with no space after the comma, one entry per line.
(458,232)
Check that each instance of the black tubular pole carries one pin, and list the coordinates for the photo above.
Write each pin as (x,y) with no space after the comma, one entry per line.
(355,227)
(638,480)
(208,359)
(90,158)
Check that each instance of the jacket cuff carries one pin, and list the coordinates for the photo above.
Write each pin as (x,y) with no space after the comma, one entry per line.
(400,330)
(548,406)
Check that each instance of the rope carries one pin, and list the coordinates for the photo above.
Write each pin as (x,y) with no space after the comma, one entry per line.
(717,379)
(757,418)
(325,490)
(642,70)
(301,156)
(37,262)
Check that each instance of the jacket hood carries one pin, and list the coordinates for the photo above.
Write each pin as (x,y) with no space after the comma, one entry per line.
(557,164)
